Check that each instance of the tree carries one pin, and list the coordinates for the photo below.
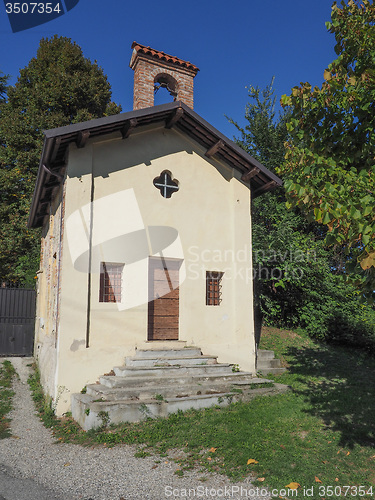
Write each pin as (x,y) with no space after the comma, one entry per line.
(329,169)
(58,87)
(264,136)
(3,86)
(296,282)
(285,245)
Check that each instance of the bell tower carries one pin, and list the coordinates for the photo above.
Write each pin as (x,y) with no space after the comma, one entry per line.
(154,69)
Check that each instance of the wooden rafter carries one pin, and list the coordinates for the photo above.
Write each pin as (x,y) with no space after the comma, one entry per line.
(215,148)
(53,173)
(83,135)
(265,187)
(174,118)
(250,174)
(55,149)
(51,184)
(128,128)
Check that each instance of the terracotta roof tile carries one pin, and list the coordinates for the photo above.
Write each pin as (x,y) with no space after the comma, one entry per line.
(163,56)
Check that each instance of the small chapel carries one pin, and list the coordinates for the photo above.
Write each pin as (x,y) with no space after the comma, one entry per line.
(146,238)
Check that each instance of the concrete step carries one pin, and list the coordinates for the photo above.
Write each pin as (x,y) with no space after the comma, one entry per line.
(265,354)
(170,361)
(141,393)
(91,414)
(152,371)
(157,382)
(269,363)
(159,353)
(192,388)
(178,378)
(272,371)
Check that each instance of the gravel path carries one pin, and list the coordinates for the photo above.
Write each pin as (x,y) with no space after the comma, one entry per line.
(73,472)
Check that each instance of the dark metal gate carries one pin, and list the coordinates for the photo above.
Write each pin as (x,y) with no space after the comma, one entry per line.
(17,318)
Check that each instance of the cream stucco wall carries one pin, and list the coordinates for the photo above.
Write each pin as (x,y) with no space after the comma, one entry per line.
(206,224)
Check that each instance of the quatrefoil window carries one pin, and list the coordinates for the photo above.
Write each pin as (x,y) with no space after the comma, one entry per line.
(165,184)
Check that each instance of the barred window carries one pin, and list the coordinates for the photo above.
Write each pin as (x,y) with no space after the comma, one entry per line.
(110,282)
(165,184)
(213,288)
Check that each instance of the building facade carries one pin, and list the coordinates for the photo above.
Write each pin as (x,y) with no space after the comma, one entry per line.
(146,241)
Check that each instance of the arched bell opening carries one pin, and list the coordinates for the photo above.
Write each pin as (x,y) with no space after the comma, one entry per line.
(165,89)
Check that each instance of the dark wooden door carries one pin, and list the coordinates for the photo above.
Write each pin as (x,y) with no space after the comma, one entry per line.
(163,306)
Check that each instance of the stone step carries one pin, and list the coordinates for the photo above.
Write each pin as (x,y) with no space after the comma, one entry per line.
(269,363)
(157,382)
(90,414)
(140,392)
(178,378)
(160,353)
(272,371)
(170,361)
(144,393)
(265,354)
(152,371)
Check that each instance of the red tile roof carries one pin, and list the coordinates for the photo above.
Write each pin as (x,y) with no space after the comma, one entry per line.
(163,56)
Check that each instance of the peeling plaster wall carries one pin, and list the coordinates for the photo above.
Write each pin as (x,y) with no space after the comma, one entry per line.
(48,290)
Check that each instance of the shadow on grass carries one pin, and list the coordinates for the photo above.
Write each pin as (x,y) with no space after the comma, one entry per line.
(339,386)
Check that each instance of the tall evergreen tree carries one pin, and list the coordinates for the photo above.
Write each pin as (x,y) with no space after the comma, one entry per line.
(58,87)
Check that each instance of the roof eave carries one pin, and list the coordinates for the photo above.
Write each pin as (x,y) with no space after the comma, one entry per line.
(39,182)
(172,114)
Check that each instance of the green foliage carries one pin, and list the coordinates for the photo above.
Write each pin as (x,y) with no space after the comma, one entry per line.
(104,416)
(66,428)
(7,374)
(330,159)
(43,403)
(58,87)
(298,281)
(288,255)
(263,137)
(332,312)
(285,246)
(142,454)
(3,86)
(24,271)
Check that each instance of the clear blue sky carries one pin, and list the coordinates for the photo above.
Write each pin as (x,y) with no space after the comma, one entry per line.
(234,43)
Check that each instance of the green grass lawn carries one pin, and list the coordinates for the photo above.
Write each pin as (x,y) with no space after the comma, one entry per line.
(320,435)
(7,373)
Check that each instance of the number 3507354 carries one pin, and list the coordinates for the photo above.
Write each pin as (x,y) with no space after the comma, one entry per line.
(32,8)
